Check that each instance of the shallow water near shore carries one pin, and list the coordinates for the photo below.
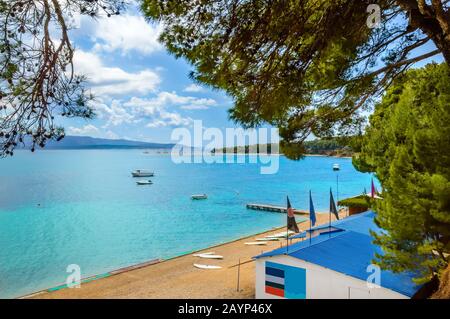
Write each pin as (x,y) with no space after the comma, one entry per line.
(83,207)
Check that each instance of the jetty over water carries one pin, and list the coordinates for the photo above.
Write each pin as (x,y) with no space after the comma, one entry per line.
(274,208)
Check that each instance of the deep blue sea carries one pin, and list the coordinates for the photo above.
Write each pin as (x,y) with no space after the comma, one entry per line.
(83,207)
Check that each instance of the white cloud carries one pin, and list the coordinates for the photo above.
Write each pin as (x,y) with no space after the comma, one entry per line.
(86,130)
(114,115)
(155,110)
(91,130)
(170,119)
(148,107)
(199,104)
(126,33)
(164,99)
(193,88)
(114,81)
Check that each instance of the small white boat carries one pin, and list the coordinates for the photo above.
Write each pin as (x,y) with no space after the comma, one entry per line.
(144,182)
(200,254)
(336,167)
(199,196)
(207,266)
(142,173)
(210,256)
(256,243)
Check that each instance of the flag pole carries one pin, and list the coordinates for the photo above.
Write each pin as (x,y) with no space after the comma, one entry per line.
(310,220)
(238,275)
(329,217)
(337,187)
(310,234)
(329,226)
(287,229)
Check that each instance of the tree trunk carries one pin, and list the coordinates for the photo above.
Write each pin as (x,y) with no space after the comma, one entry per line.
(432,20)
(444,286)
(444,46)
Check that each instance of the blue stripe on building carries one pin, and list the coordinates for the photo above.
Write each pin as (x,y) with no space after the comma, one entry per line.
(294,282)
(274,272)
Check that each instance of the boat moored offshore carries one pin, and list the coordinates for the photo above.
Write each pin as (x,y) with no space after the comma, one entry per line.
(199,196)
(142,173)
(144,182)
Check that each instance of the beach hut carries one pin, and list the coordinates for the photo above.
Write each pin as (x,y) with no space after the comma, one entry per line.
(333,265)
(358,204)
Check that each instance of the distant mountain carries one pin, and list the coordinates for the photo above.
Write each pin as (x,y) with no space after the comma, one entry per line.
(86,142)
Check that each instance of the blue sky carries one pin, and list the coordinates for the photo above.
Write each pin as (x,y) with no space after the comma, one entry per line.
(142,92)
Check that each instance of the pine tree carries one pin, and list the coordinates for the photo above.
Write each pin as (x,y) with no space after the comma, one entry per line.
(306,67)
(407,145)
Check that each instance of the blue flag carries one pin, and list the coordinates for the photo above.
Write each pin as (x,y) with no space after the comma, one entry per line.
(333,209)
(312,213)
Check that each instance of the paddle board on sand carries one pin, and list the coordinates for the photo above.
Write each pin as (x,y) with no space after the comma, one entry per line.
(206,266)
(257,243)
(268,239)
(202,254)
(210,256)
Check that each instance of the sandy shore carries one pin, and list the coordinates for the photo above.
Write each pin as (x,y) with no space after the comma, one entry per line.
(177,278)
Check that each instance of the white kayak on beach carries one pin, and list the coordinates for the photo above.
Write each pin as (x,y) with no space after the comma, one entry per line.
(281,235)
(200,254)
(278,236)
(210,256)
(257,243)
(207,266)
(268,239)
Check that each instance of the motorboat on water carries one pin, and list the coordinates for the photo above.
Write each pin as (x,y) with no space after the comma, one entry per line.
(199,196)
(145,182)
(142,173)
(336,167)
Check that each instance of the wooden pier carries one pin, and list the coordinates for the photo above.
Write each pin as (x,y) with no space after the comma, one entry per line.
(273,208)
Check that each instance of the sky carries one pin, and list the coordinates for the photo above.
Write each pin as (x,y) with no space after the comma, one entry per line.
(141,91)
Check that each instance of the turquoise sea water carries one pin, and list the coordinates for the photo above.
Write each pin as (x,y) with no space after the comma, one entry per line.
(83,207)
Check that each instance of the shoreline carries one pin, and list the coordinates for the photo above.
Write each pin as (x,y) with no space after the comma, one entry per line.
(182,279)
(278,154)
(153,151)
(151,262)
